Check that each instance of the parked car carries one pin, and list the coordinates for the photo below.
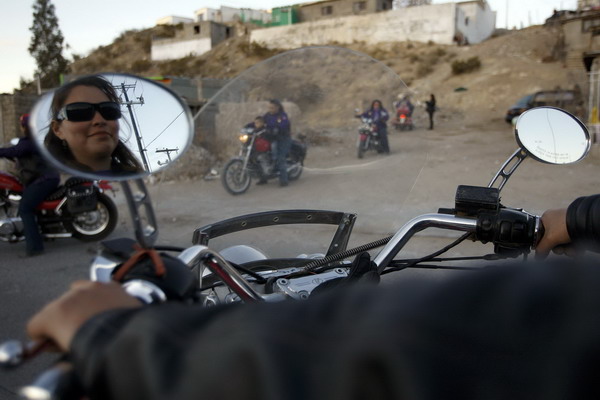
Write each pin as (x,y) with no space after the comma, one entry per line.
(568,100)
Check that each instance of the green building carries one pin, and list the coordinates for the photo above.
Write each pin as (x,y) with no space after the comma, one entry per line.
(284,16)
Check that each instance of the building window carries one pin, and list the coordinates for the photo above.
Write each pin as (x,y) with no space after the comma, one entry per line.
(360,6)
(197,29)
(327,10)
(466,21)
(591,24)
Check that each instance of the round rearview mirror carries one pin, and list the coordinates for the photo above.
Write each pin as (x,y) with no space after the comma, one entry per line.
(552,135)
(112,126)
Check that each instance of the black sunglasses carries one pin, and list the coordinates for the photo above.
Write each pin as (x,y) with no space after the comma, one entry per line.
(78,112)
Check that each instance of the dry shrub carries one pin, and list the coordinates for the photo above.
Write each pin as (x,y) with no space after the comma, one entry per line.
(466,66)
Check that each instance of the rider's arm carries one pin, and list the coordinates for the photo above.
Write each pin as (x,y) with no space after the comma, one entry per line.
(583,221)
(384,116)
(578,224)
(283,123)
(21,149)
(509,332)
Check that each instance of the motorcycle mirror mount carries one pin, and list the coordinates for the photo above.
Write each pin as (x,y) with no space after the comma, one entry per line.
(124,123)
(546,134)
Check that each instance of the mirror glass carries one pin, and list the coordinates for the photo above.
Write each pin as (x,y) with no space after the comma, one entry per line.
(115,126)
(552,135)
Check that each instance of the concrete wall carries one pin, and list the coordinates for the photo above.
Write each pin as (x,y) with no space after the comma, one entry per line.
(173,49)
(339,8)
(194,39)
(580,33)
(477,22)
(256,15)
(421,24)
(11,107)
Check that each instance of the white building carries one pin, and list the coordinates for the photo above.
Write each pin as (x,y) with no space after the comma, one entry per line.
(207,14)
(475,20)
(173,20)
(230,14)
(447,23)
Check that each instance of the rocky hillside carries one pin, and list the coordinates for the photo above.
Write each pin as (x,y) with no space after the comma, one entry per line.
(512,65)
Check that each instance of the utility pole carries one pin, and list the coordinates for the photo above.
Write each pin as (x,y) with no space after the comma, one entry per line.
(168,151)
(138,137)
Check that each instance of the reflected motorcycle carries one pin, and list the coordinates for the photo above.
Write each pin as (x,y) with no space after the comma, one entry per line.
(256,160)
(79,208)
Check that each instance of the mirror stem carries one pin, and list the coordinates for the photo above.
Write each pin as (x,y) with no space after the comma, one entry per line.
(145,227)
(507,169)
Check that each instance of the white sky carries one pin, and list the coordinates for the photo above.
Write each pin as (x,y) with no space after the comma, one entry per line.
(88,24)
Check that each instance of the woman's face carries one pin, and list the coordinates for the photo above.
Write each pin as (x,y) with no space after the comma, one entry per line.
(376,105)
(272,108)
(91,142)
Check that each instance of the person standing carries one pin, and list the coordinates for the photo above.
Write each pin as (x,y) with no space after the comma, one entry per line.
(431,108)
(279,127)
(39,180)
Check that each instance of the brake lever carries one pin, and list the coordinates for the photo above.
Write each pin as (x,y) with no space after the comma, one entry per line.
(14,352)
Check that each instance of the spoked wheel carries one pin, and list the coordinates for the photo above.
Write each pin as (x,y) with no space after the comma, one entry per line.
(235,178)
(95,225)
(295,172)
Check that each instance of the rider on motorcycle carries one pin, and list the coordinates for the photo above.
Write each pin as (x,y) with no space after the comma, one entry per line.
(380,116)
(278,124)
(39,180)
(258,127)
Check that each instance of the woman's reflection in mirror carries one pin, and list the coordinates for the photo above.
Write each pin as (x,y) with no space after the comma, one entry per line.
(84,132)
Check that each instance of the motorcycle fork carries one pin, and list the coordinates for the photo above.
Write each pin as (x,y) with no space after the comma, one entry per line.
(249,148)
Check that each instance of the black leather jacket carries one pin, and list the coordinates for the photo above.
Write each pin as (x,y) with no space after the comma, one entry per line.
(583,222)
(519,332)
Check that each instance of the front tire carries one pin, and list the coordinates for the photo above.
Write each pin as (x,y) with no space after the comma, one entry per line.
(362,147)
(91,226)
(235,178)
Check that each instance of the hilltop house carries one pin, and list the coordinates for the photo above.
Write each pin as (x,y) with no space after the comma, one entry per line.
(462,23)
(193,39)
(230,14)
(340,8)
(581,31)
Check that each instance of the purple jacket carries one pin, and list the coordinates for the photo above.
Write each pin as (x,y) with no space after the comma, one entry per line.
(278,124)
(28,157)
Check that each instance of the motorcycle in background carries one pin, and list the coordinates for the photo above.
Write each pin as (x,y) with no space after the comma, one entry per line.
(403,120)
(255,160)
(368,137)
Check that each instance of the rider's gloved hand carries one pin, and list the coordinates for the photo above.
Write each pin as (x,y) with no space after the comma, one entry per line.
(59,320)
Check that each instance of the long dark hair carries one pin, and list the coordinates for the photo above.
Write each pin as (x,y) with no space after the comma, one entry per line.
(377,101)
(278,104)
(122,160)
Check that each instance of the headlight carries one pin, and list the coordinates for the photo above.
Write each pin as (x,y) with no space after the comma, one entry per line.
(244,138)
